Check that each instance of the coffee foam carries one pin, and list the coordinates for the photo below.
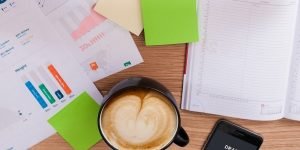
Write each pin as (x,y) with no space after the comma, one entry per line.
(139,119)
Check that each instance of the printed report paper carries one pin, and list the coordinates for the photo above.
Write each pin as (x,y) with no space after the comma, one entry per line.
(38,76)
(104,48)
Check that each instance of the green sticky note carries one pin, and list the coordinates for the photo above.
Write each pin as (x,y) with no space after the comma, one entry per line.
(170,21)
(77,122)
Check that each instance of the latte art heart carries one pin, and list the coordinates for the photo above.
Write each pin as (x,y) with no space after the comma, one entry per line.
(139,120)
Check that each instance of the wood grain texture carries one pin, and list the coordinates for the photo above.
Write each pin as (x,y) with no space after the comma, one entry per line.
(165,64)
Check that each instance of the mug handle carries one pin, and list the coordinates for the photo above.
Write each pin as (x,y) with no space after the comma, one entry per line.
(181,139)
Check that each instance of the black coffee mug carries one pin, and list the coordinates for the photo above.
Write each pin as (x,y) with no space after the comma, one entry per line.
(180,138)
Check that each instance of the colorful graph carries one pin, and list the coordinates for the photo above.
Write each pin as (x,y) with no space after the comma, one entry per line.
(59,79)
(35,92)
(81,21)
(42,87)
(41,84)
(50,82)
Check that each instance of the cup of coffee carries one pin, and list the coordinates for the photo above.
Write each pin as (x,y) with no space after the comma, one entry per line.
(140,113)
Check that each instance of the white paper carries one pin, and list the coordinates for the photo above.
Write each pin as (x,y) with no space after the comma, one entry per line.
(241,66)
(47,6)
(29,49)
(104,48)
(293,98)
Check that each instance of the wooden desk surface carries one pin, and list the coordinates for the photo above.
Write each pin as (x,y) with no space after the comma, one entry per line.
(165,64)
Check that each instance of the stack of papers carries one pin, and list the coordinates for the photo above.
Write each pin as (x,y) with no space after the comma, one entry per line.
(38,76)
(52,50)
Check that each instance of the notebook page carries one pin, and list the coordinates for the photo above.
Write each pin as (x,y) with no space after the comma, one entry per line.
(293,98)
(241,66)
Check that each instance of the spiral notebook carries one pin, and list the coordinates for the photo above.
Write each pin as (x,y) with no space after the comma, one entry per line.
(247,64)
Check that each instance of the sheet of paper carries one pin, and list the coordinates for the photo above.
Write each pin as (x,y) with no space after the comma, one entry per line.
(38,76)
(104,48)
(241,66)
(169,21)
(77,122)
(292,108)
(126,13)
(47,6)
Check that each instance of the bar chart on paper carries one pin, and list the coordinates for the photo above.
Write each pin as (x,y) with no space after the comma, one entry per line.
(95,38)
(80,21)
(46,85)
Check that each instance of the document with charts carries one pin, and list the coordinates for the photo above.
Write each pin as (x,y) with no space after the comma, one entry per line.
(38,75)
(247,64)
(104,48)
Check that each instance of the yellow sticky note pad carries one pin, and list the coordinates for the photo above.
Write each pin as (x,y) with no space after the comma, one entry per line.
(126,13)
(77,122)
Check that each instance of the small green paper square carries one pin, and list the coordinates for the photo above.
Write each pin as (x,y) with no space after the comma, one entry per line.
(77,122)
(170,21)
